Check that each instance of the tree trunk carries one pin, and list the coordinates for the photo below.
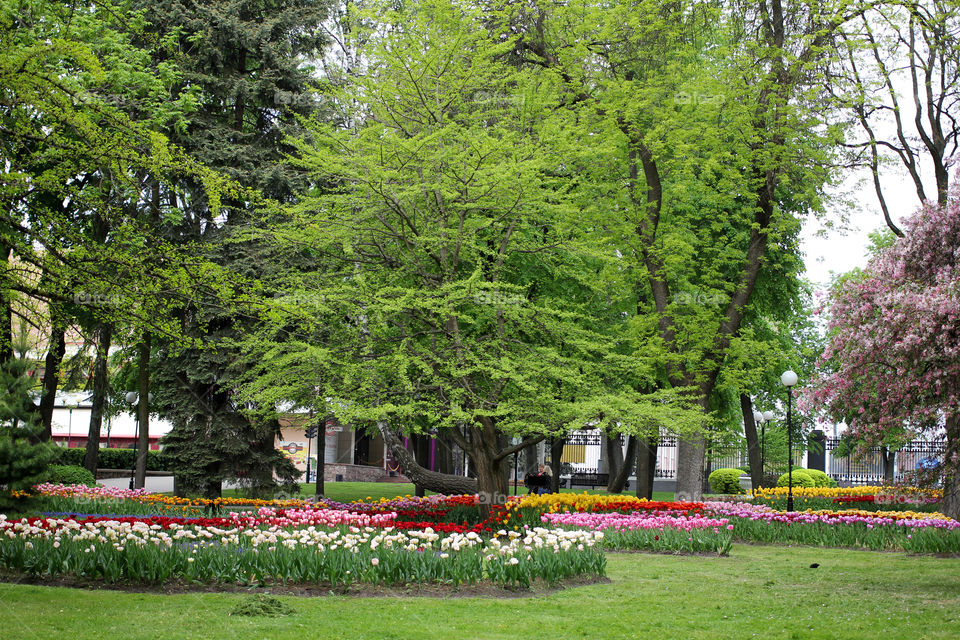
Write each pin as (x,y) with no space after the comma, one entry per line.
(690,456)
(143,411)
(646,466)
(614,453)
(556,453)
(491,481)
(888,458)
(617,482)
(951,469)
(51,376)
(444,454)
(100,380)
(6,312)
(531,459)
(430,480)
(753,442)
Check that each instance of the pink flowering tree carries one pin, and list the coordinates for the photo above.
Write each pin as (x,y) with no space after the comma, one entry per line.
(892,364)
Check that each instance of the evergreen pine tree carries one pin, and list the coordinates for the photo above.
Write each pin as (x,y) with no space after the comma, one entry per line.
(247,59)
(24,457)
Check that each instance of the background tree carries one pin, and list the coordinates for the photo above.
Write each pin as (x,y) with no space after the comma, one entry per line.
(23,454)
(894,346)
(456,297)
(665,97)
(80,112)
(248,63)
(899,77)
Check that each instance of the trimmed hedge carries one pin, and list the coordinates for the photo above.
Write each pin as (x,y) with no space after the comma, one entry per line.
(726,481)
(69,474)
(800,479)
(113,459)
(821,479)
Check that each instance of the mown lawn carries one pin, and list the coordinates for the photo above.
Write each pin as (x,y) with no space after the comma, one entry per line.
(762,592)
(350,491)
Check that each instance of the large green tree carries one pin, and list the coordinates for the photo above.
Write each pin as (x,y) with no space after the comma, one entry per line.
(249,65)
(457,294)
(80,117)
(703,148)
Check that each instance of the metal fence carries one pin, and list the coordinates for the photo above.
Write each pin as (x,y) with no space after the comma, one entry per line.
(584,451)
(869,468)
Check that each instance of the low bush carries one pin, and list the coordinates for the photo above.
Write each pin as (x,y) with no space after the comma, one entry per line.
(113,458)
(820,479)
(800,479)
(70,474)
(726,481)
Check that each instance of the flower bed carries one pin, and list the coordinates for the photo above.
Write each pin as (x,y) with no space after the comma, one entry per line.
(853,528)
(873,498)
(627,522)
(653,532)
(131,550)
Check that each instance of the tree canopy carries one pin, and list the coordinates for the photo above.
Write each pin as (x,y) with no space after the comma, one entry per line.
(894,347)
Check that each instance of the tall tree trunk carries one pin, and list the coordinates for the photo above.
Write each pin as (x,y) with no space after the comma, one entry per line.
(753,442)
(444,454)
(690,458)
(646,466)
(613,450)
(556,453)
(691,452)
(531,459)
(618,481)
(51,375)
(888,457)
(100,384)
(143,411)
(6,310)
(950,506)
(491,479)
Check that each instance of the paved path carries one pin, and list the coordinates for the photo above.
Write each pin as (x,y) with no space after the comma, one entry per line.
(154,484)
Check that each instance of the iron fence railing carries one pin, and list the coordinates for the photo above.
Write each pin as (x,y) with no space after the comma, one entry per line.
(866,469)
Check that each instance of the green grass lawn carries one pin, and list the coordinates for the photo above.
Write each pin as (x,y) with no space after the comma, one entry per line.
(350,491)
(762,592)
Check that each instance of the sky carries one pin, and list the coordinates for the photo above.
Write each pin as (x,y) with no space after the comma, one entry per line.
(838,251)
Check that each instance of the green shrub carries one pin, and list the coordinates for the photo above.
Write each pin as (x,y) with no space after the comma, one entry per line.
(820,479)
(113,458)
(726,481)
(69,474)
(800,479)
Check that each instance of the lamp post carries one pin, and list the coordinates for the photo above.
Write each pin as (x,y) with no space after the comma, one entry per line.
(70,408)
(789,379)
(133,398)
(767,417)
(762,419)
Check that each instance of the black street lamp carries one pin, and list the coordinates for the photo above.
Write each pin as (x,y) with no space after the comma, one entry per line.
(789,379)
(762,419)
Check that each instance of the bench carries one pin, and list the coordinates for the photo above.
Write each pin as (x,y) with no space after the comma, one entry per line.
(592,480)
